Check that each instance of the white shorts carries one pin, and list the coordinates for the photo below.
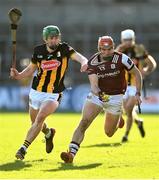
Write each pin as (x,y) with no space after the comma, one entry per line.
(36,98)
(130,91)
(113,105)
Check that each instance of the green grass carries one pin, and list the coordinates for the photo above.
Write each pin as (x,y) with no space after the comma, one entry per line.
(98,157)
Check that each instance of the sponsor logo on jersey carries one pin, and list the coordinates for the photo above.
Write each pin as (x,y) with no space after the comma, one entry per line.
(39,56)
(50,65)
(49,56)
(112,74)
(129,62)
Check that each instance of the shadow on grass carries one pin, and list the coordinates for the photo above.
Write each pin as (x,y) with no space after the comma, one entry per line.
(64,167)
(14,166)
(103,145)
(36,160)
(17,165)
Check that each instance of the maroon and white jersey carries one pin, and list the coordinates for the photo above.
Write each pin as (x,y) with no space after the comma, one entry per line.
(111,74)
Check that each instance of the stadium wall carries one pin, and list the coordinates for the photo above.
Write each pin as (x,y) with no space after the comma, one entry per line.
(72,101)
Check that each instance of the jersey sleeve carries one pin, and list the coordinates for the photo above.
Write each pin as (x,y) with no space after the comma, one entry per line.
(68,50)
(34,57)
(71,51)
(127,62)
(91,69)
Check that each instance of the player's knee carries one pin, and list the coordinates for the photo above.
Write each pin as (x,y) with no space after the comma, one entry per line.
(109,133)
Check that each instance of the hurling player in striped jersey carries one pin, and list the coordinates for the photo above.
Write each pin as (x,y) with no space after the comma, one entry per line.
(146,64)
(50,61)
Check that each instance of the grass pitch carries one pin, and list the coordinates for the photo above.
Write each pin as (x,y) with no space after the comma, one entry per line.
(98,157)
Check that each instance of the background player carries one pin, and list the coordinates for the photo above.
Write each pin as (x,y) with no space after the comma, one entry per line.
(146,64)
(51,62)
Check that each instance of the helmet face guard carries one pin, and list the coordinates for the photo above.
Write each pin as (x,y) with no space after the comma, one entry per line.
(50,31)
(105,42)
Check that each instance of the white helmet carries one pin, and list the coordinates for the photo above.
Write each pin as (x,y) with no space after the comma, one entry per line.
(127,34)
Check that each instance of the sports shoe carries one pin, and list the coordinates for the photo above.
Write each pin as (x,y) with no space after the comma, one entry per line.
(49,141)
(67,157)
(124,139)
(121,122)
(140,127)
(20,153)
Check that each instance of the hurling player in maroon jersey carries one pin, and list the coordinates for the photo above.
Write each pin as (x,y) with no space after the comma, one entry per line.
(106,71)
(50,61)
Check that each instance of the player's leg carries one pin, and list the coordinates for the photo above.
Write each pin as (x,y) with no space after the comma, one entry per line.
(139,122)
(113,118)
(90,111)
(33,113)
(128,106)
(49,132)
(112,122)
(46,108)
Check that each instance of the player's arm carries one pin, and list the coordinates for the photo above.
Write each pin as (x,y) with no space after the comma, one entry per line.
(120,48)
(27,72)
(138,78)
(130,66)
(94,84)
(150,66)
(81,59)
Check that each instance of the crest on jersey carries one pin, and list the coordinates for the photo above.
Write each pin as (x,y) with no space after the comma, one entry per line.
(112,66)
(50,65)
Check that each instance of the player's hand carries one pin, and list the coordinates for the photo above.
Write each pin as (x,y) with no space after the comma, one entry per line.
(14,74)
(140,51)
(145,72)
(138,99)
(84,67)
(104,97)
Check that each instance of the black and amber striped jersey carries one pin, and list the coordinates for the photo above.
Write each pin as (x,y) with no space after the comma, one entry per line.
(137,53)
(51,67)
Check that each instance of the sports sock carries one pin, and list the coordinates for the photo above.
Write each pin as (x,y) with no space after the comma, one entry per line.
(126,133)
(139,120)
(26,144)
(48,134)
(73,148)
